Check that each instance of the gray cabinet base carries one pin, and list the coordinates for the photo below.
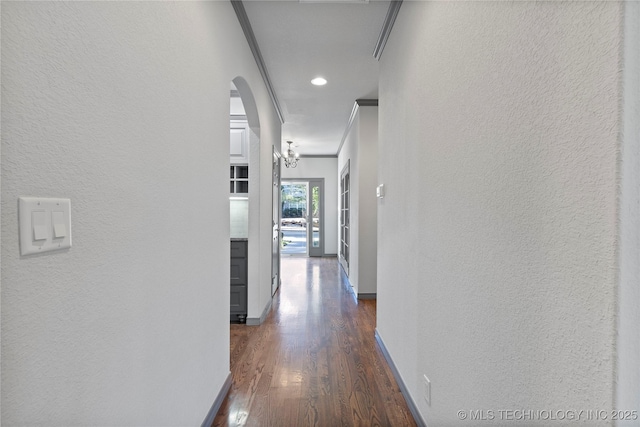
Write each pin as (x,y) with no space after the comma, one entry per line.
(238,281)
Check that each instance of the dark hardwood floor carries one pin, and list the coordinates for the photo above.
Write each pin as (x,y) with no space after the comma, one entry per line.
(314,361)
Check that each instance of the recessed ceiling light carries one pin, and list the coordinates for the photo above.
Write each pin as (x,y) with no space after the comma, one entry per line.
(319,81)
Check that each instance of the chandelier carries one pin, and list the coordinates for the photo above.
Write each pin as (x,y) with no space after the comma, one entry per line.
(290,157)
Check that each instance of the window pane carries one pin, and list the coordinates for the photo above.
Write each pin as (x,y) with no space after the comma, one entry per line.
(242,171)
(242,186)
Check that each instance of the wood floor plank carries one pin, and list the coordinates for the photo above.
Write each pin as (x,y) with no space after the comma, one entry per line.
(314,361)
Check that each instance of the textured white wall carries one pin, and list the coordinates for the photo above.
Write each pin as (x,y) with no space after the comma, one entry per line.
(628,361)
(360,148)
(367,201)
(497,236)
(260,217)
(322,167)
(122,107)
(254,299)
(270,135)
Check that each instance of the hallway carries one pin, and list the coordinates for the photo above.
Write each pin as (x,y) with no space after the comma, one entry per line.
(314,361)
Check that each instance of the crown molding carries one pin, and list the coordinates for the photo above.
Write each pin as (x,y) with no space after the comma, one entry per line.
(367,102)
(318,156)
(387,26)
(241,13)
(356,105)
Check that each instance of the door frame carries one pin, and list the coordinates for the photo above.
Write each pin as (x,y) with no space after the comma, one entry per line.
(344,225)
(311,182)
(311,250)
(276,219)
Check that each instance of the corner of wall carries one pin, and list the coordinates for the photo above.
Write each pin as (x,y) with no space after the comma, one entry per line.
(627,375)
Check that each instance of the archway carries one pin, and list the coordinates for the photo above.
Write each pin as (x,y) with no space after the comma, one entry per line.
(250,203)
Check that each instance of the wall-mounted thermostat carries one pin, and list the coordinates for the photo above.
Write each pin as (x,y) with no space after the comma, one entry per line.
(45,224)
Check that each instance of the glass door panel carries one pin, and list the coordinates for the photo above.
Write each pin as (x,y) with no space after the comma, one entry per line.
(316,217)
(344,218)
(294,222)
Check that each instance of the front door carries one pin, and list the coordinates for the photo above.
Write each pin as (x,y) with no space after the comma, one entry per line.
(302,217)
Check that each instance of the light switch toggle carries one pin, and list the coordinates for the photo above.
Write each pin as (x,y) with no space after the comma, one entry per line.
(39,222)
(59,227)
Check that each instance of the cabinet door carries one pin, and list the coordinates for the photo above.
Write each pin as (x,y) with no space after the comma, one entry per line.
(239,144)
(238,249)
(238,299)
(238,280)
(238,271)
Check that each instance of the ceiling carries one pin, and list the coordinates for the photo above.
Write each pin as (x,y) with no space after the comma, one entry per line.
(303,40)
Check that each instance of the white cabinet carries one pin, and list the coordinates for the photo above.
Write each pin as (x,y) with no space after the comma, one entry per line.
(239,157)
(239,145)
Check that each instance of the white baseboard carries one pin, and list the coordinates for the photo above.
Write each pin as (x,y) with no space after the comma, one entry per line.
(208,421)
(254,321)
(403,388)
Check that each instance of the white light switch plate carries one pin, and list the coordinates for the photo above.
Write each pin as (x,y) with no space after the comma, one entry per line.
(45,224)
(426,389)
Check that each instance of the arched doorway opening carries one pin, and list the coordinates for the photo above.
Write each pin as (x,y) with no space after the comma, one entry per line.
(249,203)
